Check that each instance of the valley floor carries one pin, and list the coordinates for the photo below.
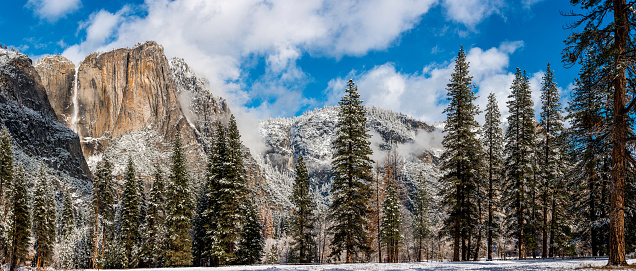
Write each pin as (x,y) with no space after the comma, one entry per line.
(552,264)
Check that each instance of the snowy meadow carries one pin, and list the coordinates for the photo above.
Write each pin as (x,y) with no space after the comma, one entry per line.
(498,265)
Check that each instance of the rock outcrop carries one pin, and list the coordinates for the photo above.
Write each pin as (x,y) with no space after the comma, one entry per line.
(201,109)
(126,90)
(57,74)
(25,109)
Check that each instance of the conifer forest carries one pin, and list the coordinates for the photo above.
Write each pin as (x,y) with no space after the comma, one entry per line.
(559,183)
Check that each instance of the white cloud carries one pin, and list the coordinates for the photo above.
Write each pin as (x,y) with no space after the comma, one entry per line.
(99,28)
(52,10)
(423,95)
(471,12)
(222,39)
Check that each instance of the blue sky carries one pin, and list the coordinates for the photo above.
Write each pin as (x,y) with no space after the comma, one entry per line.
(273,58)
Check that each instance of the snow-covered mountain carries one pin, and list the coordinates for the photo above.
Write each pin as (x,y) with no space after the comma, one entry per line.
(310,135)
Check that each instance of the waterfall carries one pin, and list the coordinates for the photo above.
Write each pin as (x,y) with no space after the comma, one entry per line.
(75,102)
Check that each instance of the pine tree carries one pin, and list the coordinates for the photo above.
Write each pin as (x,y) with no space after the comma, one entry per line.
(215,176)
(155,220)
(553,156)
(251,242)
(43,219)
(6,177)
(519,149)
(179,210)
(20,219)
(303,219)
(130,224)
(590,151)
(67,221)
(391,222)
(460,159)
(492,142)
(234,188)
(351,169)
(421,216)
(103,200)
(610,43)
(227,186)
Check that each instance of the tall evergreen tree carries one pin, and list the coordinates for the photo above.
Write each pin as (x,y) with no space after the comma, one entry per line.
(421,215)
(43,219)
(251,242)
(519,149)
(610,43)
(492,142)
(6,177)
(156,218)
(67,220)
(179,210)
(553,156)
(20,219)
(589,150)
(460,159)
(233,190)
(214,251)
(227,186)
(391,219)
(303,219)
(130,224)
(351,169)
(103,201)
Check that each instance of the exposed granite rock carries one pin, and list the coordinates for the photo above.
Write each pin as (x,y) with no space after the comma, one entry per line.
(125,90)
(57,74)
(26,111)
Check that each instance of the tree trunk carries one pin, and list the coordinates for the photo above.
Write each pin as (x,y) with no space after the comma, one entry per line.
(490,199)
(619,154)
(478,243)
(520,217)
(592,206)
(552,229)
(457,227)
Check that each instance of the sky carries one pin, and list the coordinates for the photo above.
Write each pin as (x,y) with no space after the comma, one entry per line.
(281,58)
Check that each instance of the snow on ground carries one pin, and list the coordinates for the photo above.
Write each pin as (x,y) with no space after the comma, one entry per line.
(552,264)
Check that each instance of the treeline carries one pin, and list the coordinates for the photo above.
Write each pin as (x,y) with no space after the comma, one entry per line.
(169,225)
(545,187)
(563,191)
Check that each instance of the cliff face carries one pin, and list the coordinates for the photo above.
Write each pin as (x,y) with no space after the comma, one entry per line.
(25,109)
(125,90)
(57,74)
(131,102)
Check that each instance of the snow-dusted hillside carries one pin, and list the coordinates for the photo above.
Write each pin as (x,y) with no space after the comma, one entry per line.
(311,134)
